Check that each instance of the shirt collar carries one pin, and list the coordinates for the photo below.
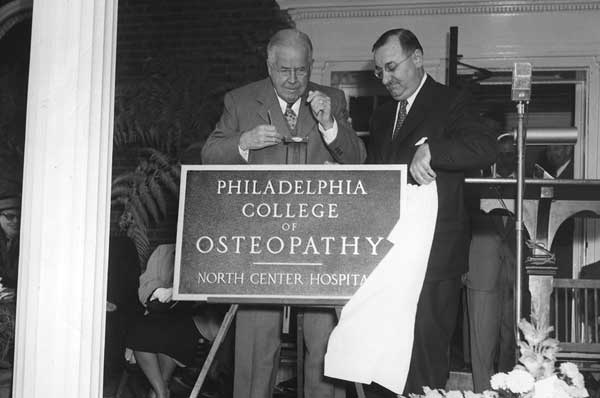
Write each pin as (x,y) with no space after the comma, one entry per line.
(283,104)
(409,100)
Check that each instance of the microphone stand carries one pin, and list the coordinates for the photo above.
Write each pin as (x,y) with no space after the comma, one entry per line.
(521,133)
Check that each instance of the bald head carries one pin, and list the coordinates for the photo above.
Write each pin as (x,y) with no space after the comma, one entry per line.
(289,38)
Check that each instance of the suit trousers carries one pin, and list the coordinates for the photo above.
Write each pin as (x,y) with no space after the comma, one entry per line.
(257,347)
(435,321)
(492,333)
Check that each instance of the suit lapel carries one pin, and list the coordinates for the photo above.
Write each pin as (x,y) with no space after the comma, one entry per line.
(385,131)
(269,110)
(417,112)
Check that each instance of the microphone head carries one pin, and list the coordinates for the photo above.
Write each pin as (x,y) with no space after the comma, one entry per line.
(521,81)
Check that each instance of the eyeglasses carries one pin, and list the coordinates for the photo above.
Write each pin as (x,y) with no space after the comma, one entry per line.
(298,72)
(390,67)
(10,216)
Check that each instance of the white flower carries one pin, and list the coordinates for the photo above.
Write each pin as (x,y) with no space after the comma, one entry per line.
(429,393)
(471,394)
(454,394)
(498,381)
(519,381)
(544,388)
(561,389)
(490,394)
(534,334)
(569,369)
(578,381)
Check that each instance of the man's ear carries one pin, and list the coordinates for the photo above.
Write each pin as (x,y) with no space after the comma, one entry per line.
(417,58)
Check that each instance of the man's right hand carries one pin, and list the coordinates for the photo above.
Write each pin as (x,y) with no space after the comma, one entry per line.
(259,137)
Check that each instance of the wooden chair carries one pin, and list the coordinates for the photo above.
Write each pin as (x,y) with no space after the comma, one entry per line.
(575,315)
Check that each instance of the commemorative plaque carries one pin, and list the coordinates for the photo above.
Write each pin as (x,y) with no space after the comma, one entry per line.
(306,234)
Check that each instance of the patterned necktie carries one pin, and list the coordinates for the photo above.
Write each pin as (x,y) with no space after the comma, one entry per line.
(291,118)
(401,118)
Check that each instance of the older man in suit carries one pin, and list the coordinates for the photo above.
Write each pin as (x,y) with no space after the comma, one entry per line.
(430,128)
(284,118)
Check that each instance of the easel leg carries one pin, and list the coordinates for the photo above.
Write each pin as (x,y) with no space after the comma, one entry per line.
(360,392)
(229,316)
(300,354)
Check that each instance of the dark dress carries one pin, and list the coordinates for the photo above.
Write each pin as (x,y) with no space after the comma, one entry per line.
(166,328)
(169,331)
(121,290)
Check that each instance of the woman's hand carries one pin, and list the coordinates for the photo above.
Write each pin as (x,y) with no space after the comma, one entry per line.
(162,294)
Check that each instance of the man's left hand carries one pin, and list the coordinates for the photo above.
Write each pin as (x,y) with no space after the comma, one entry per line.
(420,167)
(320,105)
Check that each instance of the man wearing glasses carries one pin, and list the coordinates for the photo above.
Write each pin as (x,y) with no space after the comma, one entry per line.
(284,118)
(430,128)
(10,214)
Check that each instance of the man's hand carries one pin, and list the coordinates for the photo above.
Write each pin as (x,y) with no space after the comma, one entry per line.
(420,167)
(259,137)
(320,105)
(162,294)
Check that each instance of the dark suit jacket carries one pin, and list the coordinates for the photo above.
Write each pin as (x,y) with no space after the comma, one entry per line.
(492,251)
(251,105)
(458,141)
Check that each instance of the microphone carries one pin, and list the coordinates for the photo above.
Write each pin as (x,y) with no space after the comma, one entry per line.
(546,135)
(521,81)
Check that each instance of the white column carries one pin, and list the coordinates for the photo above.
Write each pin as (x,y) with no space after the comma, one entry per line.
(64,230)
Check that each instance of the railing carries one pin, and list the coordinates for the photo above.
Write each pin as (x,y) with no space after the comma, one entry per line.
(575,315)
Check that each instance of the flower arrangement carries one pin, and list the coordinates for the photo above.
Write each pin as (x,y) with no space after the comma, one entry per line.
(536,375)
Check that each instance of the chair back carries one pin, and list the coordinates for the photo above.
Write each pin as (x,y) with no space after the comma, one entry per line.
(575,316)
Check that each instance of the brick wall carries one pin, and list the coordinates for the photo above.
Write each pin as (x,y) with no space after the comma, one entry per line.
(228,36)
(225,39)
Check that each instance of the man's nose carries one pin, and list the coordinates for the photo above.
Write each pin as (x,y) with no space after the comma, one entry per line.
(385,77)
(292,78)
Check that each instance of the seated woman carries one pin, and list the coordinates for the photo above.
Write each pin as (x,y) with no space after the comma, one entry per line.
(168,334)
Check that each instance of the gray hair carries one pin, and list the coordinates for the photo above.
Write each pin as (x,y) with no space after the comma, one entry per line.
(288,38)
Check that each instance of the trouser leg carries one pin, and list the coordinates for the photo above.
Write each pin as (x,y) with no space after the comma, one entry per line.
(484,326)
(318,324)
(434,326)
(257,346)
(508,343)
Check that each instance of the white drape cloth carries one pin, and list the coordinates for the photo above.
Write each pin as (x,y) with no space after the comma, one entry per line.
(373,339)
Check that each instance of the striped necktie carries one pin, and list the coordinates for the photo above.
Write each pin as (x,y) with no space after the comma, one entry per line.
(291,118)
(401,117)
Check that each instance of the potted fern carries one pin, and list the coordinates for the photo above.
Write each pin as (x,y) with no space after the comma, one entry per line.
(158,116)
